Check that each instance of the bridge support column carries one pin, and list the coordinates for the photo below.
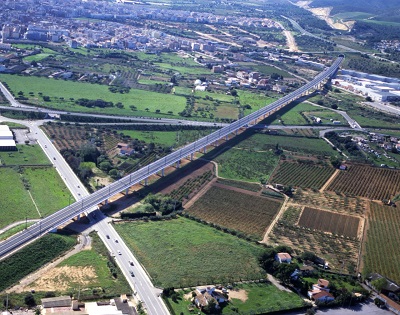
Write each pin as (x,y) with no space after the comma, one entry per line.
(78,217)
(191,156)
(126,191)
(162,173)
(178,163)
(146,182)
(106,202)
(205,150)
(236,132)
(226,138)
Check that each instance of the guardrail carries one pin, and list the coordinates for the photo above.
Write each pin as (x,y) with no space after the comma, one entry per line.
(64,215)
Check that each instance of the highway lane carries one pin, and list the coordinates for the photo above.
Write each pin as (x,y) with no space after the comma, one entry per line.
(89,202)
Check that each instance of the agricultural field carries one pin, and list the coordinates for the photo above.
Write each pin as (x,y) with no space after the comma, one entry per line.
(231,209)
(240,184)
(25,155)
(378,183)
(339,251)
(248,298)
(68,137)
(261,141)
(89,271)
(383,236)
(191,186)
(60,93)
(340,224)
(183,253)
(246,165)
(15,267)
(301,175)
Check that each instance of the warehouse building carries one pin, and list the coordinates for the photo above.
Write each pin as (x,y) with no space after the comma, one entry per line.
(7,142)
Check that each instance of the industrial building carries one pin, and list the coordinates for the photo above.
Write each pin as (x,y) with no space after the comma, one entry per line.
(7,142)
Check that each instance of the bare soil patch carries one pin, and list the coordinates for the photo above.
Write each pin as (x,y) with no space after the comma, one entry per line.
(239,294)
(60,278)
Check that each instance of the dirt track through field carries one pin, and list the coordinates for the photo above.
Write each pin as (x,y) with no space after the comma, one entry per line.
(329,180)
(274,221)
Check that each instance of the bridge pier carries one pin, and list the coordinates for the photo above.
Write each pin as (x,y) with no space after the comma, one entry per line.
(126,191)
(146,182)
(162,173)
(226,138)
(191,156)
(205,150)
(178,163)
(106,202)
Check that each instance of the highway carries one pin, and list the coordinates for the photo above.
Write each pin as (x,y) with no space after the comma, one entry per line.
(85,203)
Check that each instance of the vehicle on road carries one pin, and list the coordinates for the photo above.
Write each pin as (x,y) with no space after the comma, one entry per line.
(132,274)
(54,158)
(119,252)
(131,262)
(116,241)
(108,236)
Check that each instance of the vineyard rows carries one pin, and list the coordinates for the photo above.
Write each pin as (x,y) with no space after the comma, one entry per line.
(190,186)
(370,182)
(240,184)
(383,238)
(302,175)
(234,210)
(326,221)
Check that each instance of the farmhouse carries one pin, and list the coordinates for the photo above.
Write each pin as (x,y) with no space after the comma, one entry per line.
(321,285)
(390,288)
(205,295)
(283,258)
(7,142)
(60,301)
(322,296)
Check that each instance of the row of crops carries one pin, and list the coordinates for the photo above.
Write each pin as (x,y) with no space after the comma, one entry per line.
(234,210)
(302,175)
(191,186)
(369,182)
(326,221)
(383,238)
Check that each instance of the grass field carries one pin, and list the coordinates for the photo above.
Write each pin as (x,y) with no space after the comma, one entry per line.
(101,279)
(15,203)
(182,253)
(26,155)
(261,298)
(61,91)
(231,209)
(301,175)
(184,70)
(245,164)
(47,189)
(262,142)
(383,236)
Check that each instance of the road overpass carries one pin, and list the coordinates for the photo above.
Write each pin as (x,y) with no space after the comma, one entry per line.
(87,203)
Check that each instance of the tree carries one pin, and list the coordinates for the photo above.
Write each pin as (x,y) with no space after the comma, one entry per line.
(105,166)
(379,284)
(234,93)
(334,106)
(210,308)
(285,271)
(368,99)
(114,173)
(30,300)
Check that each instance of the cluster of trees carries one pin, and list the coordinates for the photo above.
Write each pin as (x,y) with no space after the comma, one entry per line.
(119,89)
(343,143)
(160,203)
(93,103)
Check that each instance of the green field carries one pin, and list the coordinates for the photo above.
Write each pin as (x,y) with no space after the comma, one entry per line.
(61,91)
(262,298)
(247,165)
(33,257)
(97,258)
(182,253)
(26,155)
(47,189)
(15,203)
(262,142)
(182,69)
